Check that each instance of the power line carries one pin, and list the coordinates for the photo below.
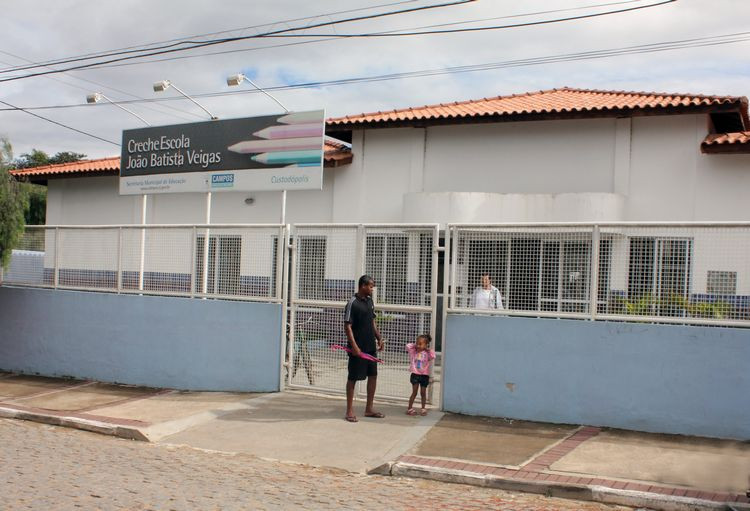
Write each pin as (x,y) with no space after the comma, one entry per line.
(146,46)
(331,38)
(59,123)
(475,29)
(112,63)
(200,44)
(548,59)
(524,15)
(170,107)
(282,33)
(56,71)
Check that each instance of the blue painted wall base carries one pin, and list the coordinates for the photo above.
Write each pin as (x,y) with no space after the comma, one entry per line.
(659,378)
(155,341)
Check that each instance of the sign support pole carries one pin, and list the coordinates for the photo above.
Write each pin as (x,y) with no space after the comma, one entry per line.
(206,243)
(283,192)
(144,203)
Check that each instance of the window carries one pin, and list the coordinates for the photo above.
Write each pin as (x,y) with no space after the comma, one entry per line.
(721,283)
(311,267)
(223,264)
(534,273)
(565,287)
(386,261)
(487,256)
(659,273)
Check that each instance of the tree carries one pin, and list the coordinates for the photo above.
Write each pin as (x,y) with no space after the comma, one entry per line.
(35,158)
(36,210)
(13,204)
(38,158)
(66,157)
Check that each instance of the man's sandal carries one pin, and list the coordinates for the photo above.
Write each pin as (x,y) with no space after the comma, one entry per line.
(375,415)
(423,412)
(351,418)
(411,411)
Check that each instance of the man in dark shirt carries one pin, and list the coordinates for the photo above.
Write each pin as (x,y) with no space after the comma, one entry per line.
(362,332)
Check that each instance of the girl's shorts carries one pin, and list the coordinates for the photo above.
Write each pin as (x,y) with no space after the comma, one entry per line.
(422,379)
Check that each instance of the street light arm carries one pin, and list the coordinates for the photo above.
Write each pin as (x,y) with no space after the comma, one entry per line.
(213,117)
(100,95)
(240,77)
(267,94)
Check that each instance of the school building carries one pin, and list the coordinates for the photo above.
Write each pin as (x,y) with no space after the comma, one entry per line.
(551,156)
(613,223)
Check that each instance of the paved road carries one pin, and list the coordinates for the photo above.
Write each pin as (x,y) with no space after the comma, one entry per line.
(44,467)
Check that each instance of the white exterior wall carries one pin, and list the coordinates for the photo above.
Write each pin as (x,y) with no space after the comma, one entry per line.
(545,157)
(96,200)
(640,169)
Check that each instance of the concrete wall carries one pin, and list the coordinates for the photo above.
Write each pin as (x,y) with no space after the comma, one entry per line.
(142,340)
(659,378)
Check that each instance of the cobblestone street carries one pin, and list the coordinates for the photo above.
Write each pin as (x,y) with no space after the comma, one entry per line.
(45,467)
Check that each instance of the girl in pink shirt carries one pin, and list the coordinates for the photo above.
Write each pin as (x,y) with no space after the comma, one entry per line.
(420,356)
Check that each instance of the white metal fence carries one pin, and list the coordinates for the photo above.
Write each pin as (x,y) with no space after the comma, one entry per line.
(244,261)
(684,273)
(326,263)
(687,273)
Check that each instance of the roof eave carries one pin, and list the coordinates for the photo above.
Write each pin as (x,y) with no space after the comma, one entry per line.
(728,148)
(739,106)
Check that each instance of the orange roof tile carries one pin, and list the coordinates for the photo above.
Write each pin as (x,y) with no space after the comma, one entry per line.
(336,154)
(109,165)
(741,137)
(562,102)
(738,142)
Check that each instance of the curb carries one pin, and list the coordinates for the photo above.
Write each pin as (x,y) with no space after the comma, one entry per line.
(590,493)
(93,426)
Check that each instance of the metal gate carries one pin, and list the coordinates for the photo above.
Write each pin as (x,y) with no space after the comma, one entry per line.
(327,260)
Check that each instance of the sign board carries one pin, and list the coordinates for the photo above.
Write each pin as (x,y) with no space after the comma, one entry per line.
(272,152)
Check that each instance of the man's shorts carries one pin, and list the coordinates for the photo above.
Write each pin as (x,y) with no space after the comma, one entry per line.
(361,369)
(422,379)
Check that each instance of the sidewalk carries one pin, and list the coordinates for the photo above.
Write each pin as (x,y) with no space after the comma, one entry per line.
(586,463)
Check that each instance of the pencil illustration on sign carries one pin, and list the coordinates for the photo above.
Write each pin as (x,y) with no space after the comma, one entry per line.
(296,141)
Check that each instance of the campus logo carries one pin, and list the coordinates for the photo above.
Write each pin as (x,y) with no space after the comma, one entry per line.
(222,180)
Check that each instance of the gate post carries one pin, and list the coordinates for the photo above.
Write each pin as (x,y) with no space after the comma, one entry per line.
(433,293)
(292,315)
(282,292)
(448,260)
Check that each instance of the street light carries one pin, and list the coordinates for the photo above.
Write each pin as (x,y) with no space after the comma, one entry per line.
(237,79)
(163,85)
(98,96)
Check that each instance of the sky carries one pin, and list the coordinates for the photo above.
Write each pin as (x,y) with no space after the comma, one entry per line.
(46,30)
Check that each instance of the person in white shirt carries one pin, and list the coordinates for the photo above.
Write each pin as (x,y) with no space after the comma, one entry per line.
(487,296)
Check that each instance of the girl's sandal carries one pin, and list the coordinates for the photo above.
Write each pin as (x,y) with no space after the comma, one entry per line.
(411,411)
(423,412)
